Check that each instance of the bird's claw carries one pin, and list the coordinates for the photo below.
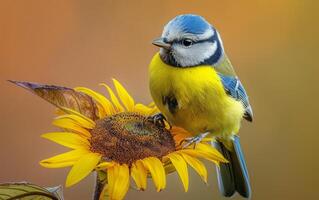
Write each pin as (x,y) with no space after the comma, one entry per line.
(193,140)
(158,119)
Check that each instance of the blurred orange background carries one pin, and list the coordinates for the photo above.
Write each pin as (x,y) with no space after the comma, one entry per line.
(273,45)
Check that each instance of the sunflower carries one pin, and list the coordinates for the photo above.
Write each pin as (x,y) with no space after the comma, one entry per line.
(122,143)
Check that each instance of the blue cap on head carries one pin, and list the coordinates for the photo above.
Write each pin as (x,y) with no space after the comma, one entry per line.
(190,23)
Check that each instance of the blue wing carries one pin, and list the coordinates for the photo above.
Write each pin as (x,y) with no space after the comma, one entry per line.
(235,89)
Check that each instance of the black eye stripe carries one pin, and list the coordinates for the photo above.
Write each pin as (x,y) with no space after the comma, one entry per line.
(211,39)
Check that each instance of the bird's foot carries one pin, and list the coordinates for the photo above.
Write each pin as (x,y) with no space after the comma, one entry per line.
(194,140)
(158,119)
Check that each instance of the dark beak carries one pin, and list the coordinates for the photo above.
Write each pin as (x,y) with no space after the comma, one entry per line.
(160,43)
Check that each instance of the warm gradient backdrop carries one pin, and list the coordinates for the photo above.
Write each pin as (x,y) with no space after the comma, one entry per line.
(272,43)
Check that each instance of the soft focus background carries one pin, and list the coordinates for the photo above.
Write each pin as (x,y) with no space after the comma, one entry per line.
(273,44)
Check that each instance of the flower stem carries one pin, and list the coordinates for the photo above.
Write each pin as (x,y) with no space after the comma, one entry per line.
(99,185)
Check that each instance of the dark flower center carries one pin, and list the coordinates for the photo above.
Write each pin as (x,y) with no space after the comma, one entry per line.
(127,137)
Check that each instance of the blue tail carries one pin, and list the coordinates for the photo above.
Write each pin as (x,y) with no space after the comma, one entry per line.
(233,176)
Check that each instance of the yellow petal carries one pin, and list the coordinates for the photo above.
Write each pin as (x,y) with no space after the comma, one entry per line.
(139,174)
(82,168)
(155,167)
(154,107)
(69,124)
(154,110)
(181,168)
(78,118)
(73,112)
(118,181)
(57,165)
(71,140)
(105,165)
(140,108)
(214,153)
(125,97)
(102,100)
(201,154)
(64,159)
(101,111)
(115,101)
(178,131)
(197,165)
(205,151)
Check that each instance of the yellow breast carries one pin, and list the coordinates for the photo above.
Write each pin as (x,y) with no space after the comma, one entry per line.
(201,102)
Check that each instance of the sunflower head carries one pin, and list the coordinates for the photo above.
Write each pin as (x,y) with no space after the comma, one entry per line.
(128,136)
(114,136)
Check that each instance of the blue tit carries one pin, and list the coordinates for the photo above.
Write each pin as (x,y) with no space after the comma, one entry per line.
(195,87)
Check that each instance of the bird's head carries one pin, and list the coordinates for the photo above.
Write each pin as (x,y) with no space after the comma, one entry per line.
(189,40)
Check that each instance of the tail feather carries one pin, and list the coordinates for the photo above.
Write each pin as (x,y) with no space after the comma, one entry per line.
(225,176)
(233,176)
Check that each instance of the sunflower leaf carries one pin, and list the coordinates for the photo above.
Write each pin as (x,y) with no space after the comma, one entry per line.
(56,191)
(63,97)
(28,191)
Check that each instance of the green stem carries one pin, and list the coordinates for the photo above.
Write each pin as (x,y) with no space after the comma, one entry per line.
(100,182)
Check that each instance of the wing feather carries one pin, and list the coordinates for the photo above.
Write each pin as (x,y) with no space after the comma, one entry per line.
(235,89)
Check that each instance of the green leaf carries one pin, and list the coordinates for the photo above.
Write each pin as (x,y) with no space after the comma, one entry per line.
(28,191)
(56,191)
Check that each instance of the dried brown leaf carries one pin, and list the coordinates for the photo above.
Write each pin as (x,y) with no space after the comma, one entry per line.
(63,97)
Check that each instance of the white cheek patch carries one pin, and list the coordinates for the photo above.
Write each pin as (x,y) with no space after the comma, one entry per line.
(194,55)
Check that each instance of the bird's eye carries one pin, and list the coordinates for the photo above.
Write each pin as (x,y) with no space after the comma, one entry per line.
(187,42)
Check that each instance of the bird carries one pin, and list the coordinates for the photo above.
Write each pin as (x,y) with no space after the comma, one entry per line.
(195,87)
